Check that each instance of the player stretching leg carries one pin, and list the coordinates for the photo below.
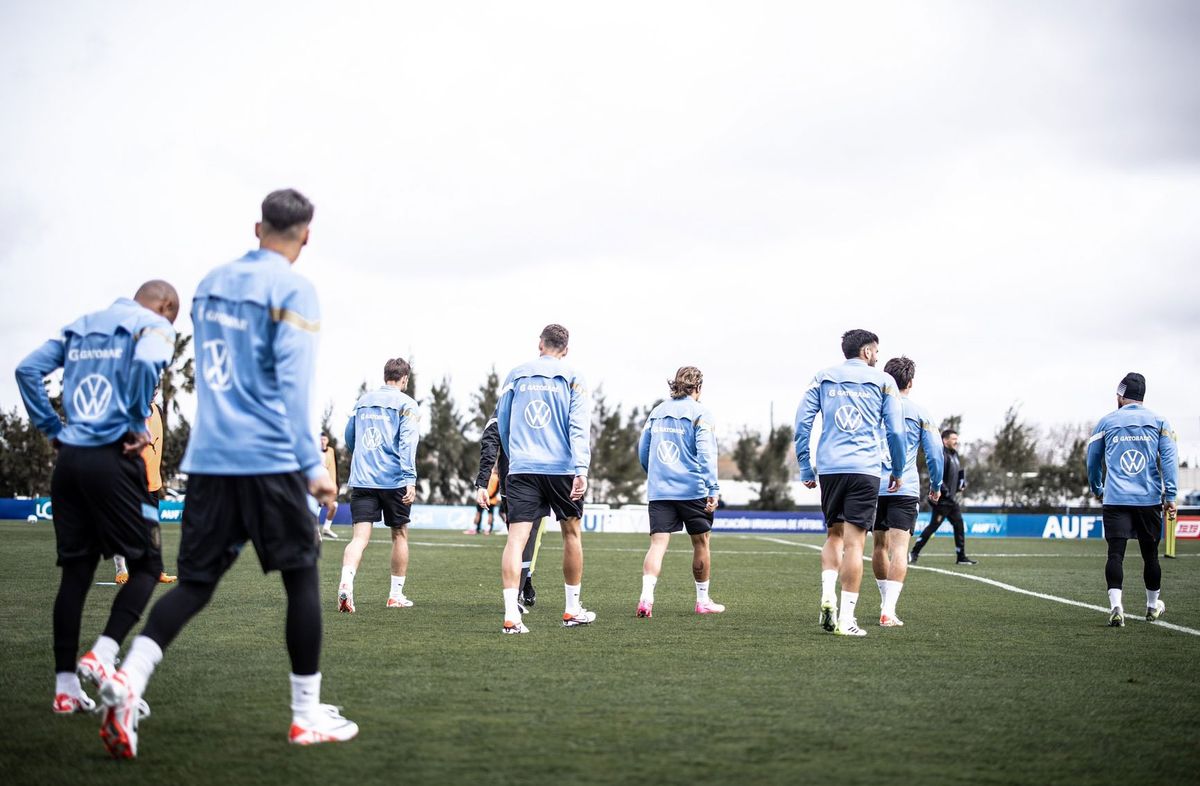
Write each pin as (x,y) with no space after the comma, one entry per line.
(255,323)
(543,417)
(1131,468)
(111,363)
(896,513)
(678,450)
(382,435)
(855,402)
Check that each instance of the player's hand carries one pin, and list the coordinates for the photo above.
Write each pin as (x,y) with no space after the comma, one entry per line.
(809,484)
(1100,497)
(323,489)
(56,443)
(1169,508)
(710,504)
(135,442)
(410,494)
(481,498)
(578,487)
(894,484)
(934,496)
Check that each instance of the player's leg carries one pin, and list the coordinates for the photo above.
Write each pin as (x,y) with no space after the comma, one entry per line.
(396,597)
(879,553)
(832,491)
(573,611)
(896,541)
(702,573)
(960,534)
(1148,527)
(651,569)
(477,523)
(1118,529)
(491,511)
(533,545)
(351,559)
(935,521)
(67,620)
(510,573)
(327,526)
(859,503)
(120,569)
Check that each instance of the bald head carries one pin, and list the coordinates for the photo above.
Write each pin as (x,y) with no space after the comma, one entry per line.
(160,297)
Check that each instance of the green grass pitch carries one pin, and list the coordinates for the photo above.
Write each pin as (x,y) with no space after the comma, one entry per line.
(983,685)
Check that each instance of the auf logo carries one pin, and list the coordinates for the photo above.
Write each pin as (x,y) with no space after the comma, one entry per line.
(218,370)
(373,439)
(1133,462)
(537,414)
(848,418)
(668,452)
(91,397)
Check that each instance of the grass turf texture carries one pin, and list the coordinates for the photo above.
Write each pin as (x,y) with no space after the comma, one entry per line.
(982,685)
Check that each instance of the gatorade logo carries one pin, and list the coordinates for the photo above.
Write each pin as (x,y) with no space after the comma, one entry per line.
(92,397)
(1133,462)
(218,368)
(373,439)
(668,452)
(537,414)
(848,418)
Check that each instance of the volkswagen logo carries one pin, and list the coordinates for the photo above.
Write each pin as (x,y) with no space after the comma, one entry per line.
(373,439)
(537,414)
(218,368)
(848,418)
(668,452)
(1133,462)
(91,397)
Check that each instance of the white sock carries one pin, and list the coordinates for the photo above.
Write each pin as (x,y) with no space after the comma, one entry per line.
(828,581)
(106,650)
(511,612)
(397,585)
(1114,599)
(67,682)
(119,563)
(883,590)
(1151,598)
(648,584)
(573,605)
(701,591)
(849,601)
(306,694)
(348,577)
(893,595)
(139,663)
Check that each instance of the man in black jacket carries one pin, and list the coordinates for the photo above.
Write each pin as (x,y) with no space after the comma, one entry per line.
(954,480)
(491,455)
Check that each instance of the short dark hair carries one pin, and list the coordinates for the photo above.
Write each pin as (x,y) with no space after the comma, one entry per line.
(688,380)
(902,370)
(396,369)
(286,209)
(854,340)
(555,336)
(948,433)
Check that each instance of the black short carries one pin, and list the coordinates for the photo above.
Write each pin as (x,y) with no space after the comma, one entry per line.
(101,506)
(851,498)
(222,512)
(1143,522)
(369,504)
(896,512)
(671,515)
(532,497)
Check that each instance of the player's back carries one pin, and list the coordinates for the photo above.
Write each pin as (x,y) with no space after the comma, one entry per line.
(98,351)
(382,435)
(852,396)
(544,419)
(678,451)
(918,428)
(255,322)
(1133,436)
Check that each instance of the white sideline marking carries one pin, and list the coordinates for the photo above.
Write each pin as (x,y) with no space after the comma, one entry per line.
(1011,588)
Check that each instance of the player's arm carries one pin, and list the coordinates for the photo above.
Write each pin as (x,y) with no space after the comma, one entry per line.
(151,353)
(489,448)
(30,373)
(1095,461)
(348,435)
(706,449)
(297,322)
(893,423)
(408,435)
(806,415)
(644,447)
(504,413)
(580,427)
(1168,461)
(932,445)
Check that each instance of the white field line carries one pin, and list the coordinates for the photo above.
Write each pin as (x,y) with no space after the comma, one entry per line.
(1011,588)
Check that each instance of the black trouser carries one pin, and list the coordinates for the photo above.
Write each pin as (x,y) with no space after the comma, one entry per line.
(127,607)
(527,554)
(1114,572)
(945,509)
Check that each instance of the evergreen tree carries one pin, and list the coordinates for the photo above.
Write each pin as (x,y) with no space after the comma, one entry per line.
(444,458)
(179,376)
(767,465)
(484,400)
(616,476)
(26,457)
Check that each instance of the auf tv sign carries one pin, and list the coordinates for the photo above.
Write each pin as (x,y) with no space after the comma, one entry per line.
(1072,527)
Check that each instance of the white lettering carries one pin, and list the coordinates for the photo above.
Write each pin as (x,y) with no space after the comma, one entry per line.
(1052,530)
(105,353)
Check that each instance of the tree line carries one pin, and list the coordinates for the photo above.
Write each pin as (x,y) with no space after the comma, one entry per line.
(1020,465)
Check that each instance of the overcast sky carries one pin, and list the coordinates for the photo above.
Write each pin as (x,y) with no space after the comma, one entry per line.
(1008,192)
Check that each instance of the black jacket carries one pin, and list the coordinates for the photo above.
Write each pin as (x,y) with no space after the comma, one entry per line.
(491,454)
(954,477)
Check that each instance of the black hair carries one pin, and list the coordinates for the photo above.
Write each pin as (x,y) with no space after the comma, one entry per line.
(902,370)
(854,340)
(285,209)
